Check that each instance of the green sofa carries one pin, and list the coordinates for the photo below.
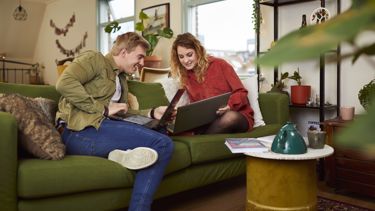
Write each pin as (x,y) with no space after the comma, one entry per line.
(93,183)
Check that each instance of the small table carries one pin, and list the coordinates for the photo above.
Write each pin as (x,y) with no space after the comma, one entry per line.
(283,182)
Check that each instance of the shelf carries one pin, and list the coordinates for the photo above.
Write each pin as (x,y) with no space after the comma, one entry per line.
(282,2)
(325,107)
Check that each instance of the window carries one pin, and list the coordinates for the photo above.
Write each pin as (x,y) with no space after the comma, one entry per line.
(114,10)
(226,30)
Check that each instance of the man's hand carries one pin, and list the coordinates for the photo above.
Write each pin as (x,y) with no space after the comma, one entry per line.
(222,110)
(114,108)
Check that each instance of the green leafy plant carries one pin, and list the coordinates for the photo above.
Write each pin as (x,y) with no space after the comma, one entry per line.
(297,77)
(367,94)
(313,41)
(112,27)
(152,38)
(280,85)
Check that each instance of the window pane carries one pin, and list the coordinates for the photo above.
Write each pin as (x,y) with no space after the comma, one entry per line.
(121,8)
(226,30)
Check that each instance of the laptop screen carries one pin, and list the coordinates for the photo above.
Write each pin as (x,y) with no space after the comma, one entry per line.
(169,111)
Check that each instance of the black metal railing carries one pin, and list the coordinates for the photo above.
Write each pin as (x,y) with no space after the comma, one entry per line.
(19,72)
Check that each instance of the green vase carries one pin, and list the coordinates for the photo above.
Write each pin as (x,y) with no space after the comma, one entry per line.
(289,141)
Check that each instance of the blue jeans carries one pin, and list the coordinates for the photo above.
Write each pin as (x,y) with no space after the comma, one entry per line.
(123,135)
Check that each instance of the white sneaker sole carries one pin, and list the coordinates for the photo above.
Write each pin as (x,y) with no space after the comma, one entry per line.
(134,159)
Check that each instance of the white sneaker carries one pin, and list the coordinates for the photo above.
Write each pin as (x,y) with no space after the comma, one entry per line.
(134,159)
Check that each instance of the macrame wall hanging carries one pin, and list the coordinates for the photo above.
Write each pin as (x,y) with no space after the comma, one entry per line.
(60,31)
(64,31)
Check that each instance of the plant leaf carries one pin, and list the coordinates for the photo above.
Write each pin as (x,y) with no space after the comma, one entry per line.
(310,42)
(112,27)
(166,32)
(143,16)
(139,26)
(368,50)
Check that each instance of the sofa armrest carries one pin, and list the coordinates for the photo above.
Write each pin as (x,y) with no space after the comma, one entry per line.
(274,107)
(8,162)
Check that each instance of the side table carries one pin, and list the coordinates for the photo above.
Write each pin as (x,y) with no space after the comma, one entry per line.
(283,182)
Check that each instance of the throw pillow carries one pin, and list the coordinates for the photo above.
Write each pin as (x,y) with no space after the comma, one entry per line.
(251,84)
(37,133)
(170,87)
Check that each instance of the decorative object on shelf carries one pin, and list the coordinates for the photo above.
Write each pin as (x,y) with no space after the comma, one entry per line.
(76,50)
(304,23)
(59,31)
(20,13)
(347,113)
(319,15)
(300,94)
(289,141)
(367,94)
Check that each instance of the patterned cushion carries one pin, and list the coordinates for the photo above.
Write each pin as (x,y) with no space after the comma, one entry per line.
(37,134)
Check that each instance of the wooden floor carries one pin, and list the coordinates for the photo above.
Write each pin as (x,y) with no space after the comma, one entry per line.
(231,196)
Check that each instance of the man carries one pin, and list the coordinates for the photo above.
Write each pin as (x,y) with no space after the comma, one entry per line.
(94,87)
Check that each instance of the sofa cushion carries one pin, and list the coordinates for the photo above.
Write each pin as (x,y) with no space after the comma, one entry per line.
(180,158)
(38,135)
(206,148)
(73,174)
(146,95)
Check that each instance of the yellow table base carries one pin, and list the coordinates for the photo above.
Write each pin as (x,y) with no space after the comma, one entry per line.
(281,184)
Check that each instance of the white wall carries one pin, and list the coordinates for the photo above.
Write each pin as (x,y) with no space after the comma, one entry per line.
(60,11)
(353,77)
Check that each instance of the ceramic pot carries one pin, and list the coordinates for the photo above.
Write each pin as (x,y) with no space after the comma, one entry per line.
(289,141)
(153,61)
(300,94)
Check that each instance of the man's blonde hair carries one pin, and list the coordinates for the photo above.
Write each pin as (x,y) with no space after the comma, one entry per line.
(128,41)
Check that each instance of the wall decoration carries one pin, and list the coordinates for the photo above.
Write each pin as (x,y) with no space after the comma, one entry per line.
(76,50)
(319,15)
(158,18)
(65,30)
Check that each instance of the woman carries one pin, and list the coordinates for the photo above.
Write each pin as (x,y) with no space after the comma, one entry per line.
(205,76)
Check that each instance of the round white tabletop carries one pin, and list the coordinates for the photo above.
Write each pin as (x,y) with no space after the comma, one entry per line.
(309,155)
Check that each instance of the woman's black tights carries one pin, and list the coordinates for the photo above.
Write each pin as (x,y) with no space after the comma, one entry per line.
(229,122)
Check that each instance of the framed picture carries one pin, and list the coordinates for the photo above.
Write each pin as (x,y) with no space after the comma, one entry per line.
(158,18)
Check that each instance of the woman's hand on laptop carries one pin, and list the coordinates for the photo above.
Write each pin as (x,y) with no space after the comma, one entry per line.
(222,110)
(114,108)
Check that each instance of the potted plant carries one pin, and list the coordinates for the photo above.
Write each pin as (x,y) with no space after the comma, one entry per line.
(300,94)
(280,85)
(152,38)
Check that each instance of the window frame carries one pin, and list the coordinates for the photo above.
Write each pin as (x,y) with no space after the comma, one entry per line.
(104,5)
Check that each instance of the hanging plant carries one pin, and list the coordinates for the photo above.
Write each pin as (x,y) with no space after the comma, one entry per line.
(256,17)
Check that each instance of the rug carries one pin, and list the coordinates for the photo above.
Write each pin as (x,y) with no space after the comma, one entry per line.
(325,204)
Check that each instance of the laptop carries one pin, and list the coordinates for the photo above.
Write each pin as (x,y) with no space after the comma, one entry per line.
(198,113)
(149,122)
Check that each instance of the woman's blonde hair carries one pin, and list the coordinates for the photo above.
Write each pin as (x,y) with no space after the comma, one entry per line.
(128,41)
(187,40)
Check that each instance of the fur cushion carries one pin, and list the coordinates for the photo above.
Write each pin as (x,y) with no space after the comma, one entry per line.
(37,133)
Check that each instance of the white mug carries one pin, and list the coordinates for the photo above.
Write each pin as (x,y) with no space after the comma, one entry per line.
(347,113)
